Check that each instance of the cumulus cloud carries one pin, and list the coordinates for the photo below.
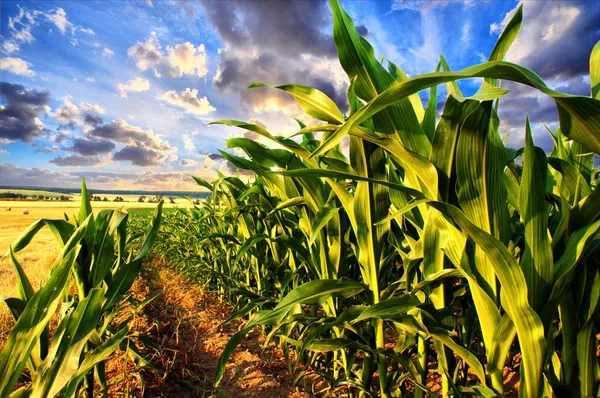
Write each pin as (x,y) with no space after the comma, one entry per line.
(90,147)
(138,84)
(19,118)
(180,60)
(216,161)
(121,131)
(556,38)
(16,66)
(87,107)
(107,52)
(166,180)
(59,18)
(188,162)
(555,41)
(188,99)
(70,116)
(67,112)
(266,44)
(76,161)
(141,156)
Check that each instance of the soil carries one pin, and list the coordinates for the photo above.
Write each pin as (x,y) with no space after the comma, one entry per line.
(185,324)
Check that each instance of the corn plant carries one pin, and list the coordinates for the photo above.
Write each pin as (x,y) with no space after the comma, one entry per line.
(88,288)
(425,237)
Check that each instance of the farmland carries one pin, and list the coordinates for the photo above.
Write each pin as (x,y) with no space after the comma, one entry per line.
(389,250)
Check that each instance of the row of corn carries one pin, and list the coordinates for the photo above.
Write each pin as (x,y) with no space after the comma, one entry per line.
(391,243)
(88,292)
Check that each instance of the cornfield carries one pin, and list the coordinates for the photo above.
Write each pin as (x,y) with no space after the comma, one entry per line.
(377,248)
(88,290)
(424,238)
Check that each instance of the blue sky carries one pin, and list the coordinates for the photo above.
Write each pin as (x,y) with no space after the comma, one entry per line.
(120,92)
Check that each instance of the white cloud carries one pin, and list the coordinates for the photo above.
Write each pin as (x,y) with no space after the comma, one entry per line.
(16,66)
(107,52)
(10,46)
(430,49)
(465,37)
(20,29)
(548,26)
(91,107)
(136,85)
(91,79)
(188,143)
(67,112)
(188,99)
(88,31)
(180,60)
(188,163)
(59,18)
(556,37)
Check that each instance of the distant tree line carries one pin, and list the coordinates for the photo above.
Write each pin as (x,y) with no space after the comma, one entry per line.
(102,193)
(21,196)
(12,195)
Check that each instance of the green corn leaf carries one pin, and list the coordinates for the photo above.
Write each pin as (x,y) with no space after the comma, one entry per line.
(390,308)
(24,290)
(293,202)
(370,79)
(595,71)
(399,75)
(34,319)
(506,39)
(537,262)
(68,343)
(565,267)
(514,297)
(340,175)
(95,356)
(468,356)
(580,112)
(312,101)
(85,208)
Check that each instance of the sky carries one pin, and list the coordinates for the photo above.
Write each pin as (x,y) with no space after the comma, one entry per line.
(121,92)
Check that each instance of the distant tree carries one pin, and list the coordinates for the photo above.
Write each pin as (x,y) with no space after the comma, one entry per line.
(172,199)
(105,199)
(142,198)
(197,202)
(119,199)
(12,195)
(41,197)
(62,197)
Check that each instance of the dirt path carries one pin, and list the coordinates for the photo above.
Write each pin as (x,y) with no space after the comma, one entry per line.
(184,323)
